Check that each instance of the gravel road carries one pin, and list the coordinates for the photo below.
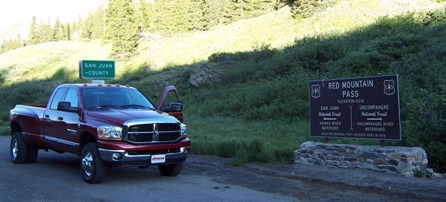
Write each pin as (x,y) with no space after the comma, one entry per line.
(56,177)
(321,183)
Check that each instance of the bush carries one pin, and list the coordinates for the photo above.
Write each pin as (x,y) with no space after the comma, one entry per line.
(276,87)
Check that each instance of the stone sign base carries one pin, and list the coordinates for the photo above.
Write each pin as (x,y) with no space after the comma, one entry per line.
(399,160)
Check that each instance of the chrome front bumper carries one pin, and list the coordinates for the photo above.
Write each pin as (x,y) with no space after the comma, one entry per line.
(122,157)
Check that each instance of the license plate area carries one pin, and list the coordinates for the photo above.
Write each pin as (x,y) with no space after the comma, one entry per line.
(157,159)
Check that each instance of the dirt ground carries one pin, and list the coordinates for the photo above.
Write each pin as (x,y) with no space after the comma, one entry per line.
(319,183)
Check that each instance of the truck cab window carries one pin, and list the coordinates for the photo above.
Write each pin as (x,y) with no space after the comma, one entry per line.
(57,98)
(72,98)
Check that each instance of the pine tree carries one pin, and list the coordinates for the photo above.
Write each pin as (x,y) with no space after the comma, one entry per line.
(46,32)
(68,32)
(121,28)
(304,8)
(236,10)
(179,19)
(155,15)
(33,32)
(143,15)
(57,30)
(98,23)
(86,27)
(195,15)
(65,34)
(213,11)
(242,9)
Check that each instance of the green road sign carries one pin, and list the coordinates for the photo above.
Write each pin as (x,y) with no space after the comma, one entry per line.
(97,69)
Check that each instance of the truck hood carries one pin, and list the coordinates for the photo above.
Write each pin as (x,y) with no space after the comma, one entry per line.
(120,116)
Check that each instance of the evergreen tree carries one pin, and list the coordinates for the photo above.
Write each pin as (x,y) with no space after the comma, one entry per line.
(13,44)
(195,16)
(143,15)
(98,23)
(86,27)
(57,30)
(121,28)
(155,12)
(304,8)
(162,16)
(45,32)
(74,27)
(237,9)
(213,11)
(33,32)
(242,9)
(179,20)
(65,34)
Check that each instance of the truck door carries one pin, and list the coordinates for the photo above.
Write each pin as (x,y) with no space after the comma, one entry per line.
(51,127)
(69,122)
(170,103)
(60,127)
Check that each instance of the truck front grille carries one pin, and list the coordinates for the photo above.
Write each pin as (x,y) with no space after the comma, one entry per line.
(153,133)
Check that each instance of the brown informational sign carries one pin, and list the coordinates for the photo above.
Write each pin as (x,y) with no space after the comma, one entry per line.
(359,108)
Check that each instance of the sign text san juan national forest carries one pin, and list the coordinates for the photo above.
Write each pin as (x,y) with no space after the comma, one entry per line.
(362,108)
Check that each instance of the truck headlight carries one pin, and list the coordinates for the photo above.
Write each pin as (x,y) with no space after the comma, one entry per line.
(183,130)
(108,132)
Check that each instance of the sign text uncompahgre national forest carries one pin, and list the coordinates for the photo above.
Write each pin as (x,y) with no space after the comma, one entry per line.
(362,108)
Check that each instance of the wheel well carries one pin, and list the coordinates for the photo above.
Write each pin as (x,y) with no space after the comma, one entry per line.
(85,139)
(14,127)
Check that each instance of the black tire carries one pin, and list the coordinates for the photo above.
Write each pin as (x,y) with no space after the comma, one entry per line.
(31,154)
(18,148)
(92,167)
(170,169)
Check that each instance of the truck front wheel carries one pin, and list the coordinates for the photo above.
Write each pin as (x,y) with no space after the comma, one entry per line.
(92,168)
(20,151)
(170,169)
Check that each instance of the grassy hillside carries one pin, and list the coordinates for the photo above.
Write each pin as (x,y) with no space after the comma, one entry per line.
(258,111)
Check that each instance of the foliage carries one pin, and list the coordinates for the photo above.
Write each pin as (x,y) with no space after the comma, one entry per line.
(45,32)
(12,44)
(259,88)
(93,27)
(235,10)
(126,20)
(121,28)
(259,111)
(306,8)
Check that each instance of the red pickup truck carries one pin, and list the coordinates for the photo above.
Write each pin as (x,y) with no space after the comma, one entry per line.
(106,125)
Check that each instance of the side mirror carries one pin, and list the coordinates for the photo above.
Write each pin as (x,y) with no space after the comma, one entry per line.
(66,106)
(174,107)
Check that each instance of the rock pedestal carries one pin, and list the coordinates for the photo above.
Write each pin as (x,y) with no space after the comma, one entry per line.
(399,160)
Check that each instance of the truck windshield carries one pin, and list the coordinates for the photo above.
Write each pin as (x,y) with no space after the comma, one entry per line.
(99,98)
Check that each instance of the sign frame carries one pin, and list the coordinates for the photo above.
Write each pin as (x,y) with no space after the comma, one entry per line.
(97,69)
(356,108)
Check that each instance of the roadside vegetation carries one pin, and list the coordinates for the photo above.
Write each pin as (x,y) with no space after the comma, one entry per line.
(258,110)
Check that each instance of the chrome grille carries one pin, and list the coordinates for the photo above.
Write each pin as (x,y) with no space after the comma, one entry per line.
(153,133)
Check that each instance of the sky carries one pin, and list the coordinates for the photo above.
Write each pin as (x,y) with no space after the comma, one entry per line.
(17,14)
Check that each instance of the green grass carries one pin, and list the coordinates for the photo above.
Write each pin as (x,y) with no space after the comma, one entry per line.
(262,141)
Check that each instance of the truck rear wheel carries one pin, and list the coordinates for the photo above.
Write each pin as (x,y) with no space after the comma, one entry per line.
(170,169)
(20,151)
(93,170)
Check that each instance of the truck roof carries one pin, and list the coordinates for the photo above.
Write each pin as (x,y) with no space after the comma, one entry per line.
(89,85)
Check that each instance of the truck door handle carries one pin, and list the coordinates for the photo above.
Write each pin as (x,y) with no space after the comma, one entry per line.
(60,118)
(47,116)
